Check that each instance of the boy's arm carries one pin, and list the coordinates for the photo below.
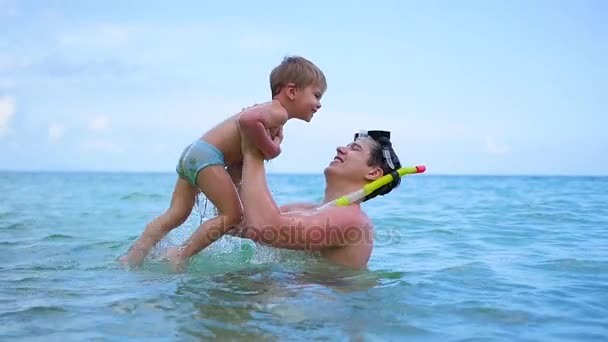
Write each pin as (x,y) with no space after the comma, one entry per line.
(254,125)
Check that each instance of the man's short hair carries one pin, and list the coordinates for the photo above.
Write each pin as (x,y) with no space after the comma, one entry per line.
(297,70)
(384,156)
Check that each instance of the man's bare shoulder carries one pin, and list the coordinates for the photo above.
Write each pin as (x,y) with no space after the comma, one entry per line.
(347,217)
(298,207)
(352,221)
(354,213)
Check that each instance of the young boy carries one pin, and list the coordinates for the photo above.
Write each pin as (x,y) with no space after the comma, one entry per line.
(213,163)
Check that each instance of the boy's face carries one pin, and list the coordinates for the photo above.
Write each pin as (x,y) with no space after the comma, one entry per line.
(307,101)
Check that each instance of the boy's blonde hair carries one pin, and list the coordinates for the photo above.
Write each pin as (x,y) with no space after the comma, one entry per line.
(297,70)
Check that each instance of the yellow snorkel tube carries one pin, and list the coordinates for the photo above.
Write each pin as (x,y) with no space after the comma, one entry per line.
(371,187)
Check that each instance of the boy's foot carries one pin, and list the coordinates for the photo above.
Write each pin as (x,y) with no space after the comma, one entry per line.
(124,259)
(131,258)
(175,257)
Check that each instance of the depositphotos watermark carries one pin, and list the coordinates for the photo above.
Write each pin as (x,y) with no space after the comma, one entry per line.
(296,233)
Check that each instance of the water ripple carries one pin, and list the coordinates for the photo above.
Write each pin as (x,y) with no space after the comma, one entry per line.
(455,258)
(140,196)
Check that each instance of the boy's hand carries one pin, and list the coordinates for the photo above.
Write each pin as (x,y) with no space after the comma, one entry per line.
(259,124)
(277,137)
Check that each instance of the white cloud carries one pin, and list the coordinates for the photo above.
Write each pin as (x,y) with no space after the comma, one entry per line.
(404,126)
(7,83)
(8,8)
(7,111)
(99,123)
(12,63)
(56,131)
(13,146)
(259,40)
(100,145)
(494,147)
(100,37)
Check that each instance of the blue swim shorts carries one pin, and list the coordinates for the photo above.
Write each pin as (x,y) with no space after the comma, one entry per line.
(196,157)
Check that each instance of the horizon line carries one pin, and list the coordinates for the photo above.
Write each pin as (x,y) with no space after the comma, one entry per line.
(287,173)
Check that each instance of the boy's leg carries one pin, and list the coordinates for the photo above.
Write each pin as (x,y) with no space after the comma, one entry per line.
(182,202)
(215,182)
(236,174)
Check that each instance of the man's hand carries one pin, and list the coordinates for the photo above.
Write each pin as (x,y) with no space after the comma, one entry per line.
(247,146)
(259,124)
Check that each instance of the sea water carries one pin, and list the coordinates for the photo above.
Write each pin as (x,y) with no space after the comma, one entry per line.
(456,258)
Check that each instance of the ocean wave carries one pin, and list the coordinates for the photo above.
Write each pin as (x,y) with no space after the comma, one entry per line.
(14,226)
(35,310)
(140,196)
(58,237)
(575,265)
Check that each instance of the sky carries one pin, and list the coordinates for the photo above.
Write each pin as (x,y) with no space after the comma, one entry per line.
(466,87)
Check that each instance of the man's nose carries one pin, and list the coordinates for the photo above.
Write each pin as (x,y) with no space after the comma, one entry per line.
(341,149)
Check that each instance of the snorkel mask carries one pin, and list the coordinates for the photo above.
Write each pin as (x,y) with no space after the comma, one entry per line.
(391,160)
(393,171)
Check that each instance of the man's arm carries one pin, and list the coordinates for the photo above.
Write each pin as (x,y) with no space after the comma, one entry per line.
(286,208)
(263,221)
(297,206)
(254,124)
(236,173)
(328,229)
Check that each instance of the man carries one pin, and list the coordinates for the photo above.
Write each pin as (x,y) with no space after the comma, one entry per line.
(343,235)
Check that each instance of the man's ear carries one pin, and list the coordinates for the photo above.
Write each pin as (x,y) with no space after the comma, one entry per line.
(374,174)
(291,90)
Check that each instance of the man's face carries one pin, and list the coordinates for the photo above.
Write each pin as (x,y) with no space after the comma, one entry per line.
(351,161)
